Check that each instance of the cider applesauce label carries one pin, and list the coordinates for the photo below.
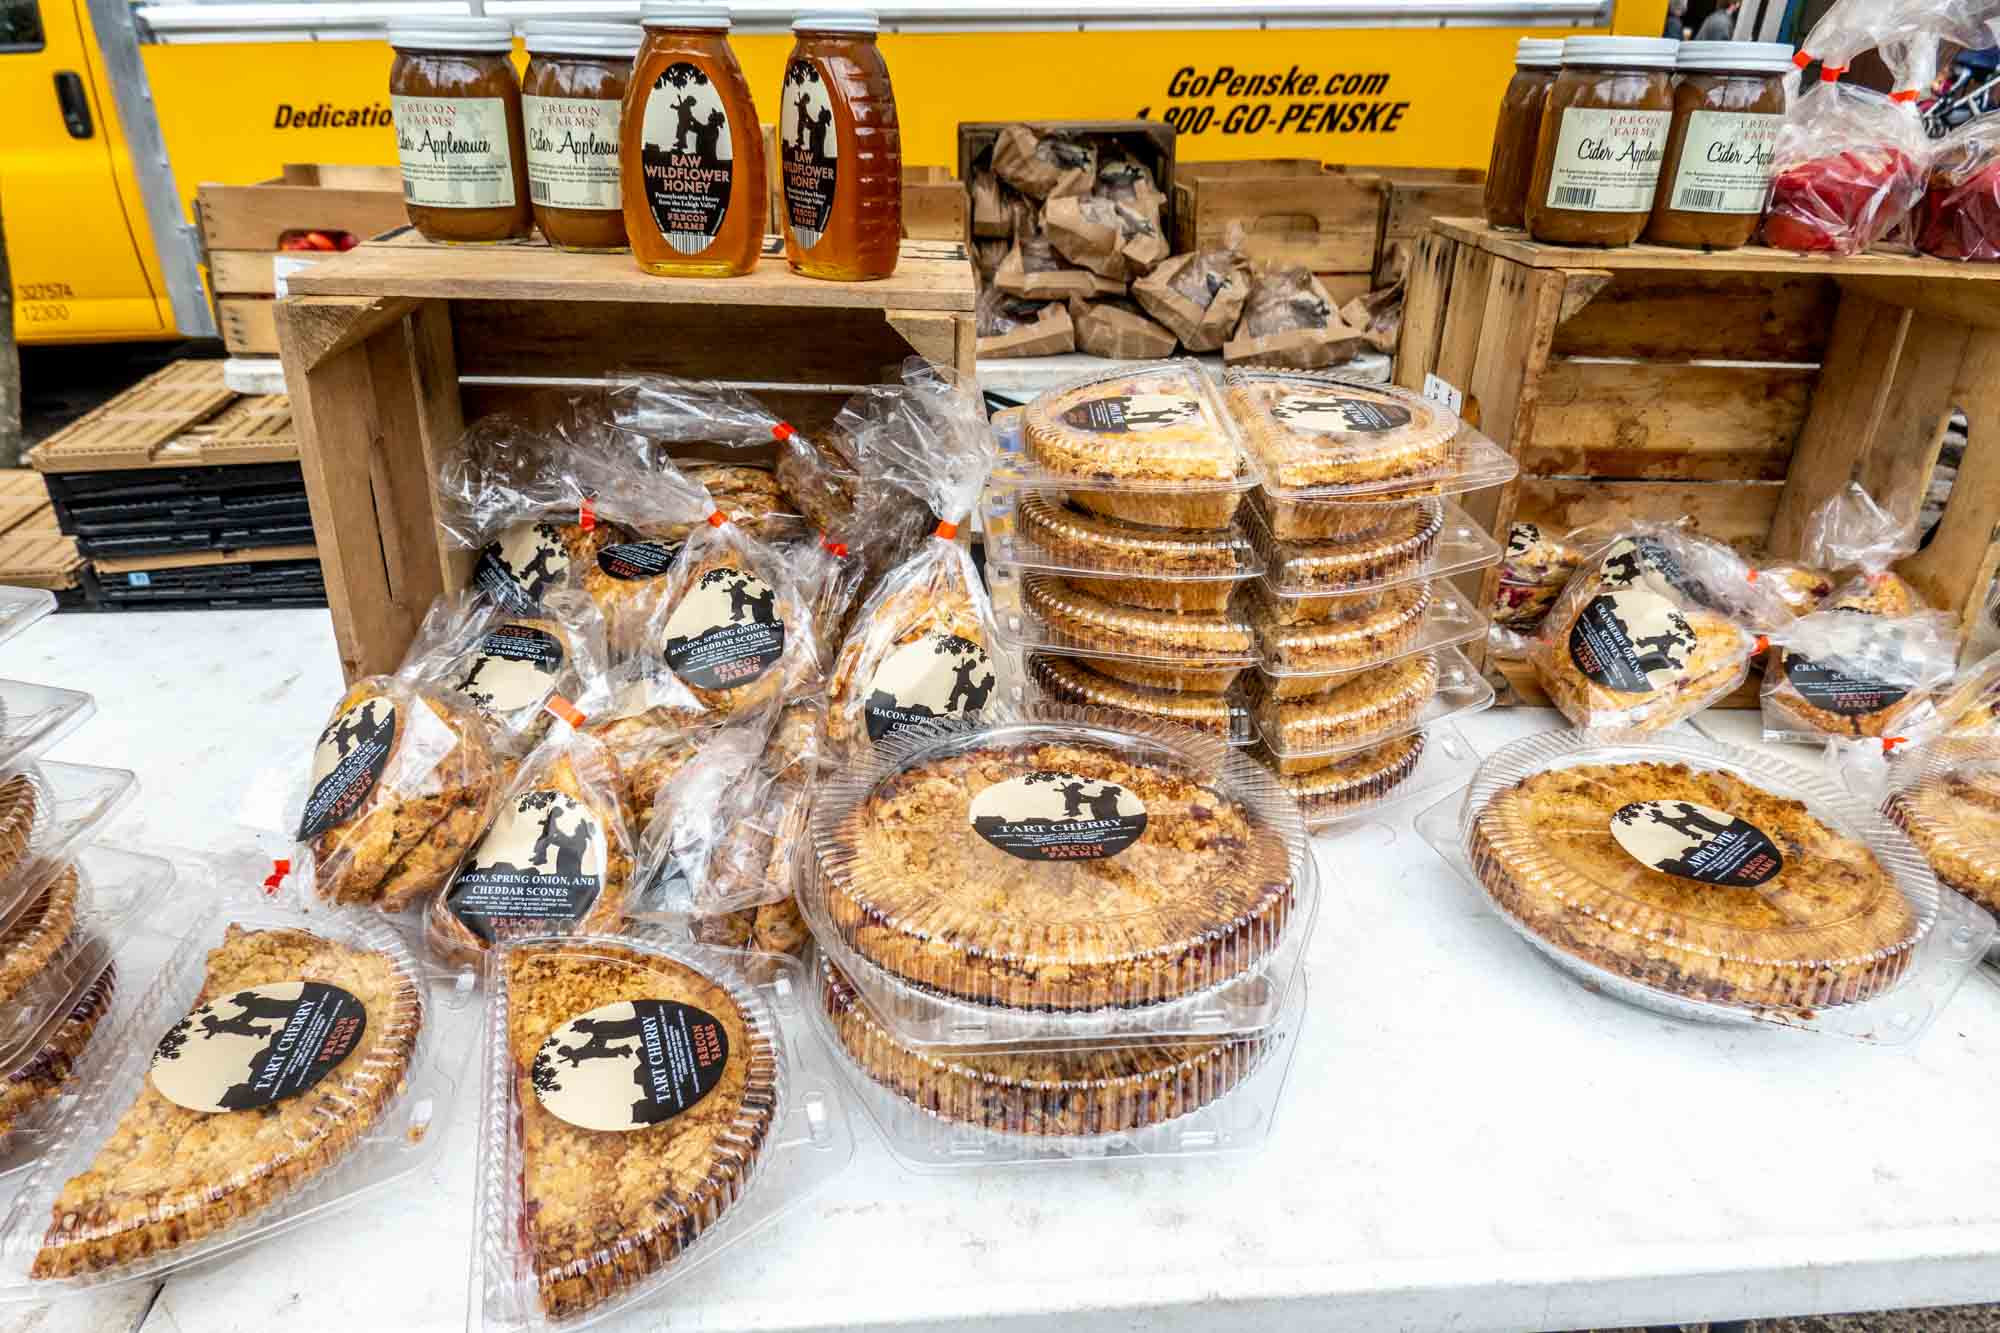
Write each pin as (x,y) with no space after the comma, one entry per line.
(1726,163)
(572,151)
(687,156)
(1608,161)
(453,151)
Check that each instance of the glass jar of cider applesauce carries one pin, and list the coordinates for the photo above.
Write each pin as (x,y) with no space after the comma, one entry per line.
(457,108)
(693,162)
(840,149)
(570,100)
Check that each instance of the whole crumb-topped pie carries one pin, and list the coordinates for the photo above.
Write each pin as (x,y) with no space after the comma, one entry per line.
(1311,431)
(1952,814)
(1085,542)
(1044,865)
(1696,883)
(1089,1088)
(644,1089)
(1352,782)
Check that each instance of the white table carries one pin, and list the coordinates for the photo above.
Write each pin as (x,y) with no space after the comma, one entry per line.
(1468,1140)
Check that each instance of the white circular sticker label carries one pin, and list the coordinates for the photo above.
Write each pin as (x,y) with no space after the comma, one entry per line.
(939,675)
(630,1065)
(526,562)
(1338,414)
(1696,842)
(1138,412)
(347,763)
(542,861)
(511,668)
(726,631)
(1050,815)
(257,1046)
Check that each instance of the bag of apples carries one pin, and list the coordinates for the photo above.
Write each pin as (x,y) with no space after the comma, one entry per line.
(1959,217)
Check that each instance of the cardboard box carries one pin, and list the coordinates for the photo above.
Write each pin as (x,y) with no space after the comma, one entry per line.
(934,204)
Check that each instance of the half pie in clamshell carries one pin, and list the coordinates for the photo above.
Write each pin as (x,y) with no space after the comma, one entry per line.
(1311,431)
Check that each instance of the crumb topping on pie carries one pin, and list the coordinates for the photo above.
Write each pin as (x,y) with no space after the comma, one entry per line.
(39,935)
(1316,430)
(1402,547)
(1074,683)
(1084,541)
(1356,781)
(1084,621)
(1153,427)
(1954,819)
(1363,705)
(1344,645)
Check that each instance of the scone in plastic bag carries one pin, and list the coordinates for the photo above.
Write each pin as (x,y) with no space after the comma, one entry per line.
(403,779)
(922,644)
(653,728)
(557,854)
(1652,629)
(507,664)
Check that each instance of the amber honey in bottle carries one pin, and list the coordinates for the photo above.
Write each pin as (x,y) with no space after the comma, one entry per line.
(693,161)
(840,149)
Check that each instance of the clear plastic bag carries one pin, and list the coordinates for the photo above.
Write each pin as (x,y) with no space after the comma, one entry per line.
(923,643)
(1652,629)
(508,664)
(1971,707)
(1959,217)
(1948,800)
(402,781)
(558,854)
(653,728)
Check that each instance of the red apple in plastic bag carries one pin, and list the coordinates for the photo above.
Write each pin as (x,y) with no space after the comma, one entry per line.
(1841,204)
(1960,215)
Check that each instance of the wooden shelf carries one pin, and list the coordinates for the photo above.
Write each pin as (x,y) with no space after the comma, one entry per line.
(1518,247)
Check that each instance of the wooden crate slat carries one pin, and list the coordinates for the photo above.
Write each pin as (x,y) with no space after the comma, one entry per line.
(1927,385)
(1516,246)
(931,275)
(1692,316)
(1646,420)
(1736,512)
(1958,566)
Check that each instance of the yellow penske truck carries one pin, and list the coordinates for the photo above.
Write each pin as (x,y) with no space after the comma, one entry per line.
(116,112)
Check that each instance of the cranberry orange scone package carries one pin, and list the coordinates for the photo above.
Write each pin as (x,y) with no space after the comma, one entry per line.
(283,1064)
(558,854)
(508,664)
(1652,629)
(923,643)
(594,1198)
(1710,883)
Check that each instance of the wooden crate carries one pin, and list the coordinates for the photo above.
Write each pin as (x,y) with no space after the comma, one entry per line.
(391,348)
(935,204)
(1740,390)
(244,226)
(1294,212)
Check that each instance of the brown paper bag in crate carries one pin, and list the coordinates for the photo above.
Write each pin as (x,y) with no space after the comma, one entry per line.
(1198,296)
(1120,330)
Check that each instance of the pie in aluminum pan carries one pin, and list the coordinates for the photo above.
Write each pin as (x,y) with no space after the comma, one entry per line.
(1695,883)
(1345,645)
(1081,539)
(168,1176)
(1074,683)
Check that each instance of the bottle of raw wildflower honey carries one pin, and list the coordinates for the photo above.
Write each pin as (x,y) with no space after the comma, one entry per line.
(840,149)
(693,161)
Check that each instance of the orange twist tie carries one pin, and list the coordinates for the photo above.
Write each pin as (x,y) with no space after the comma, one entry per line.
(1906,95)
(946,530)
(1889,743)
(716,518)
(586,513)
(1763,644)
(279,869)
(1801,59)
(1753,576)
(782,431)
(838,548)
(565,710)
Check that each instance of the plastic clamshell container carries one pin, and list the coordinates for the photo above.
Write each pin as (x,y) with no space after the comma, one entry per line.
(1064,680)
(34,717)
(1301,570)
(72,801)
(1288,664)
(940,1109)
(1049,834)
(1036,532)
(1039,611)
(1315,430)
(1353,788)
(769,1156)
(1149,428)
(22,607)
(1946,796)
(1875,969)
(1288,732)
(360,1151)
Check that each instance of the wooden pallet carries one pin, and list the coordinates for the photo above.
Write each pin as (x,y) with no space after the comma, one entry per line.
(179,416)
(379,344)
(1740,389)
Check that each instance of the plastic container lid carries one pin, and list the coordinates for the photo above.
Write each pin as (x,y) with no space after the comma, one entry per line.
(1448,541)
(1470,462)
(1754,57)
(1368,781)
(1698,871)
(1538,52)
(1041,611)
(1310,431)
(1375,706)
(837,20)
(1154,427)
(1037,531)
(46,811)
(22,607)
(582,39)
(1057,859)
(1386,629)
(34,717)
(495,36)
(659,14)
(1631,52)
(1451,621)
(1949,803)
